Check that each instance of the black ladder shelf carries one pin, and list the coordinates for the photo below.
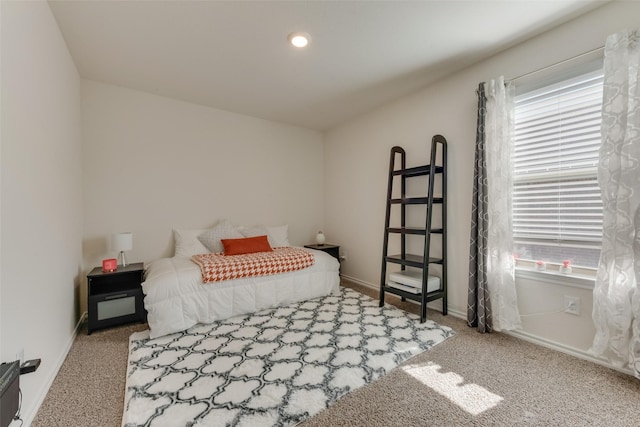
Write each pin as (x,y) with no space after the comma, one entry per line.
(424,261)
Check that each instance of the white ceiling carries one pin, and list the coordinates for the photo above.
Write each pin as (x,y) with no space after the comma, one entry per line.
(233,55)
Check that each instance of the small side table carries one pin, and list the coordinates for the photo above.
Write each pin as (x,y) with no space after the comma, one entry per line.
(116,297)
(333,250)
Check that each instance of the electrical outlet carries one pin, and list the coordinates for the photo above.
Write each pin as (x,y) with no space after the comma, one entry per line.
(572,305)
(20,356)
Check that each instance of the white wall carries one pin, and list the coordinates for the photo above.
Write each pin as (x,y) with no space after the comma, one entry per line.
(153,164)
(41,191)
(357,156)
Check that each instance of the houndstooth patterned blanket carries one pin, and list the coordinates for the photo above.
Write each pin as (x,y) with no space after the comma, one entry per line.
(217,267)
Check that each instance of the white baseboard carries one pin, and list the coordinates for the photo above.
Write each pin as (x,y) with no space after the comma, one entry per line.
(28,418)
(359,282)
(576,352)
(534,339)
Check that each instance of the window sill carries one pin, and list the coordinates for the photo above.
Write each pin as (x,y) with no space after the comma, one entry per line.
(573,280)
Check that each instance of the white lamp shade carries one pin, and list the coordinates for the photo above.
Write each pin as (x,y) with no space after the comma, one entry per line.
(122,241)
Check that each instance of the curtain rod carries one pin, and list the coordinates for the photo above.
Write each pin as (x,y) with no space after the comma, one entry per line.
(539,70)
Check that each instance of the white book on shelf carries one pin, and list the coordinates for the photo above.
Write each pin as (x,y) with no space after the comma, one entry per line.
(405,288)
(413,278)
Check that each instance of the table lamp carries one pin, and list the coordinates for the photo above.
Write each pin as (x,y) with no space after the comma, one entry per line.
(122,242)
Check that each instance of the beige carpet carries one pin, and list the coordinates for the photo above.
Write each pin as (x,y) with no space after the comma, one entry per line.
(469,380)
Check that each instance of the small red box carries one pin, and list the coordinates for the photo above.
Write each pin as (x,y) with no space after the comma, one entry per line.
(109,265)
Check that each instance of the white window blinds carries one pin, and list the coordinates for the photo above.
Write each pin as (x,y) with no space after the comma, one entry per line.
(556,199)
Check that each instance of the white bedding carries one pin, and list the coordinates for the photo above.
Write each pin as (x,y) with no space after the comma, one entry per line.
(176,298)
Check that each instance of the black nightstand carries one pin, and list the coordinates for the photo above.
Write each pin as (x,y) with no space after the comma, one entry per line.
(115,298)
(333,250)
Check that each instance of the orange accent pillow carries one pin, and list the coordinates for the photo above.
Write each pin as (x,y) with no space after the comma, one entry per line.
(247,245)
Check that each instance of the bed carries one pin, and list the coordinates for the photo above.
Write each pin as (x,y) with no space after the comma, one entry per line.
(176,297)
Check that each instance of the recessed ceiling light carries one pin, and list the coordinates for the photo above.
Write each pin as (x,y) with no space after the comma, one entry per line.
(299,39)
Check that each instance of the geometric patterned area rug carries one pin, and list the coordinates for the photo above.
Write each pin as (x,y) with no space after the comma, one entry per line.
(276,367)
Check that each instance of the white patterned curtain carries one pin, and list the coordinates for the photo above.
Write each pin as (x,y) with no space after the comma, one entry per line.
(616,297)
(498,152)
(500,263)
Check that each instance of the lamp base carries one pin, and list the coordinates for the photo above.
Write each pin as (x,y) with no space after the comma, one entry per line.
(124,261)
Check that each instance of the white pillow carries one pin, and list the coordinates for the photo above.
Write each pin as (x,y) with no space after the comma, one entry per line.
(277,236)
(187,243)
(258,230)
(211,238)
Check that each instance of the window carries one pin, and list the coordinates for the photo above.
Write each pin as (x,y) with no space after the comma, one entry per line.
(557,210)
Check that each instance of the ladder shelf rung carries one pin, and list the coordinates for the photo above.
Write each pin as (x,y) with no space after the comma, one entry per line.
(410,230)
(414,200)
(418,231)
(411,260)
(417,171)
(407,230)
(433,295)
